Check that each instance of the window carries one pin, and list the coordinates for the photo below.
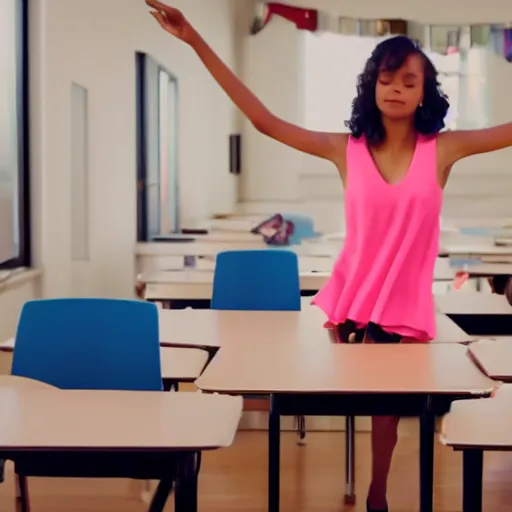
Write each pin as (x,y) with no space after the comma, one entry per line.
(450,70)
(332,63)
(157,150)
(14,161)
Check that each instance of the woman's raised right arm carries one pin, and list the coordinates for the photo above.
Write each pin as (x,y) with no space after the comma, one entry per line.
(331,146)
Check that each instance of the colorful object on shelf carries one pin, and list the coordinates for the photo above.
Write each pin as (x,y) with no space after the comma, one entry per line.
(445,39)
(507,44)
(304,19)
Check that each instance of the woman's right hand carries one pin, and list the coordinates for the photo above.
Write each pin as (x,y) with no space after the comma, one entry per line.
(172,20)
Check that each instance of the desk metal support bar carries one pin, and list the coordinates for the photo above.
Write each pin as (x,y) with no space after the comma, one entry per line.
(161,494)
(350,456)
(185,492)
(472,464)
(274,455)
(427,433)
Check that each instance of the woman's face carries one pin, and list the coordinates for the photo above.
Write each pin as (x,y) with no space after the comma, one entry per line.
(399,93)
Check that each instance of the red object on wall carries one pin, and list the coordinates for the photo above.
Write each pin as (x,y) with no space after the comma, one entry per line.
(304,19)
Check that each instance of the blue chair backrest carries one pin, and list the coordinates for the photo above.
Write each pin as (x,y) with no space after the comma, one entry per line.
(303,228)
(89,344)
(257,280)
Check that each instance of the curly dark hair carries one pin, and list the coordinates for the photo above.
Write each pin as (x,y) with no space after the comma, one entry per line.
(390,55)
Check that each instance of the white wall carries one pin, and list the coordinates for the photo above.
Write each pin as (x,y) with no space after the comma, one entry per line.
(271,67)
(94,45)
(480,186)
(13,294)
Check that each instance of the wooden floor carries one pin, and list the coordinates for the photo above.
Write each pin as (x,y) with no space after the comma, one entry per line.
(312,480)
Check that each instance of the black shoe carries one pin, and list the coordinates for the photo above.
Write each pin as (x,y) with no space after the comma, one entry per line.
(368,509)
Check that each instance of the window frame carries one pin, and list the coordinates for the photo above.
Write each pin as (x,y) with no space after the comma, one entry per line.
(23,258)
(143,234)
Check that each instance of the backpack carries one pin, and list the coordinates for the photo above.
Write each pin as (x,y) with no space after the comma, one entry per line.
(275,230)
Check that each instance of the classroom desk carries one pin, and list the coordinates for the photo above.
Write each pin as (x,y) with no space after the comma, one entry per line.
(145,434)
(215,236)
(181,365)
(494,357)
(477,313)
(177,364)
(212,249)
(473,250)
(503,240)
(489,269)
(194,287)
(475,426)
(210,329)
(307,264)
(13,381)
(448,331)
(349,380)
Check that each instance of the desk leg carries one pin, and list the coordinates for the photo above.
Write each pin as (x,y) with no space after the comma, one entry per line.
(274,455)
(350,445)
(427,432)
(185,493)
(161,495)
(473,465)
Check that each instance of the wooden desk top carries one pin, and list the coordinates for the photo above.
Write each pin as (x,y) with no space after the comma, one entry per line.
(116,420)
(198,284)
(203,248)
(483,423)
(206,276)
(15,382)
(195,248)
(489,269)
(494,356)
(472,303)
(448,331)
(207,328)
(337,369)
(454,249)
(182,364)
(210,329)
(179,364)
(503,240)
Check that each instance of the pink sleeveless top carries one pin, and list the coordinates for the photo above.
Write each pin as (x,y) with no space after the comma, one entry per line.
(385,271)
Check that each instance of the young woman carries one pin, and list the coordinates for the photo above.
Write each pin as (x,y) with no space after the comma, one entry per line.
(393,164)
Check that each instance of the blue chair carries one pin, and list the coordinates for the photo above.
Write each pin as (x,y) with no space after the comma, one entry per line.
(90,344)
(258,280)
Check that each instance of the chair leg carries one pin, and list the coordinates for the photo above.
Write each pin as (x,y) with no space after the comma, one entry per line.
(22,495)
(145,494)
(301,430)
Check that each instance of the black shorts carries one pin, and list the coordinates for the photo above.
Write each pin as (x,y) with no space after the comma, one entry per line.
(349,333)
(500,283)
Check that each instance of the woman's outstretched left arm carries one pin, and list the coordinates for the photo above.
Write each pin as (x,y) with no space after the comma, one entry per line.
(460,144)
